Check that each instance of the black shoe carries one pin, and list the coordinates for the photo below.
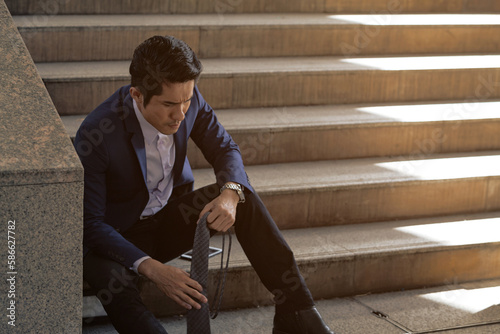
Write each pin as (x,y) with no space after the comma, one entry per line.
(301,322)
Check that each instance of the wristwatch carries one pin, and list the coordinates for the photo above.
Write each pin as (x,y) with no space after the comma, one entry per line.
(236,187)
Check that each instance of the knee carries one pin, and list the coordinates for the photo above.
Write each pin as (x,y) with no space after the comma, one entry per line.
(254,206)
(107,277)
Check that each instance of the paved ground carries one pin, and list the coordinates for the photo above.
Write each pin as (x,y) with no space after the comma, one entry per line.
(472,308)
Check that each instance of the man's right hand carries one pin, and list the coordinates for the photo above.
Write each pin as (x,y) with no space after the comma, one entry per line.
(174,282)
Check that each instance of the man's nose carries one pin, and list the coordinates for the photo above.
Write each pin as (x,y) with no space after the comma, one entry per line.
(179,112)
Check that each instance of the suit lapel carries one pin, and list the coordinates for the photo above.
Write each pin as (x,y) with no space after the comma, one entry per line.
(137,138)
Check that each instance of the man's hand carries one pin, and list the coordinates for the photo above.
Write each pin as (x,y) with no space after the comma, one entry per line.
(174,282)
(222,211)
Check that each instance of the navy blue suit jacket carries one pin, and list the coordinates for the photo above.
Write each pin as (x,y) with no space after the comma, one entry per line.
(111,148)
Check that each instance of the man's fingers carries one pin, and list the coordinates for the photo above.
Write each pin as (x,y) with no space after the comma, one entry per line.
(218,213)
(212,217)
(184,295)
(193,288)
(199,297)
(220,222)
(206,209)
(186,302)
(178,286)
(194,285)
(190,301)
(189,293)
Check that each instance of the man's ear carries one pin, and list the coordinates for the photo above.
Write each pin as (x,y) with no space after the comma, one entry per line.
(136,95)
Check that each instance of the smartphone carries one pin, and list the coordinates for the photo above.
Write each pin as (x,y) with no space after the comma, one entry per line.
(212,251)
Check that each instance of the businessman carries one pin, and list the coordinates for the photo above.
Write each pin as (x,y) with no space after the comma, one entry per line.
(140,209)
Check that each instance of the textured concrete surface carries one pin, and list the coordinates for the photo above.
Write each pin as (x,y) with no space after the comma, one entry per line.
(412,310)
(362,190)
(279,82)
(35,147)
(342,315)
(452,305)
(76,71)
(250,6)
(41,191)
(48,260)
(350,260)
(242,21)
(293,134)
(83,37)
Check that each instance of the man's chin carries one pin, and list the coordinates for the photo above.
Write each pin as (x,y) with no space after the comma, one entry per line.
(169,130)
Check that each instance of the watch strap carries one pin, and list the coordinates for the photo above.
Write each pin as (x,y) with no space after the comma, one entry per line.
(236,187)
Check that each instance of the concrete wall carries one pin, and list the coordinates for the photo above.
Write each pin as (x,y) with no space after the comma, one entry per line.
(41,193)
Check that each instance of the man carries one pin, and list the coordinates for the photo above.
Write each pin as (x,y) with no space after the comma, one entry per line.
(140,209)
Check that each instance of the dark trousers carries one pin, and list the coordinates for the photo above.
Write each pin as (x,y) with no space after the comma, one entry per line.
(170,233)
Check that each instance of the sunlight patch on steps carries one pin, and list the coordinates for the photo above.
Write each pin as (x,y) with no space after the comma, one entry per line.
(446,168)
(468,300)
(436,112)
(427,62)
(386,19)
(468,232)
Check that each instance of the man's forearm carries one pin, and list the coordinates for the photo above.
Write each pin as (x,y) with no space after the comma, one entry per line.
(147,267)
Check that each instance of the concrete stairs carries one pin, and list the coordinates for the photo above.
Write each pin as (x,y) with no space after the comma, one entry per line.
(371,129)
(255,6)
(292,81)
(470,308)
(311,133)
(100,37)
(356,259)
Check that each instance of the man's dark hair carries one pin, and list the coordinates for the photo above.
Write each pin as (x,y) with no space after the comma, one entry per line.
(162,59)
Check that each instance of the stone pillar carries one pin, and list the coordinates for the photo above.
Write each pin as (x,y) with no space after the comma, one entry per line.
(41,196)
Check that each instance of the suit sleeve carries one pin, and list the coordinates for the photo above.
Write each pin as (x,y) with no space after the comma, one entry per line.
(98,235)
(217,146)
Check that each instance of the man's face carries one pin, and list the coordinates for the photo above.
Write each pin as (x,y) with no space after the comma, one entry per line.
(166,111)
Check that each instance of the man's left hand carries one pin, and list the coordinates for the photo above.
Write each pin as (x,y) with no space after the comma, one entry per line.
(223,211)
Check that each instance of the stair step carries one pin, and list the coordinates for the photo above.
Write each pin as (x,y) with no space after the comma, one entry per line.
(114,37)
(339,261)
(468,308)
(311,133)
(376,189)
(223,7)
(78,87)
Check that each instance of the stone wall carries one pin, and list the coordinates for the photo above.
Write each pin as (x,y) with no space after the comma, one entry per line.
(41,196)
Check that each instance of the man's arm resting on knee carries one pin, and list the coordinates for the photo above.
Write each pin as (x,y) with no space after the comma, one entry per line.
(174,282)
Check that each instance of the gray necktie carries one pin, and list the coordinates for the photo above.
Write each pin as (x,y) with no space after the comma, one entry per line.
(198,321)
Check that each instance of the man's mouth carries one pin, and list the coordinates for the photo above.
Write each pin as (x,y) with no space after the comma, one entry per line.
(174,125)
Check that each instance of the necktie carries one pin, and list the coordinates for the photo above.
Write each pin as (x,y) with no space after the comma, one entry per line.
(198,321)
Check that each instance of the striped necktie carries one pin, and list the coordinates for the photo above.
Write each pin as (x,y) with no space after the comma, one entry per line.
(198,321)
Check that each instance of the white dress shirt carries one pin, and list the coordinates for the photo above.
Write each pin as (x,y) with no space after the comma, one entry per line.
(160,158)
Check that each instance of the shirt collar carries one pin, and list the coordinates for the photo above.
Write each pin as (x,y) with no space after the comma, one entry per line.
(148,131)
